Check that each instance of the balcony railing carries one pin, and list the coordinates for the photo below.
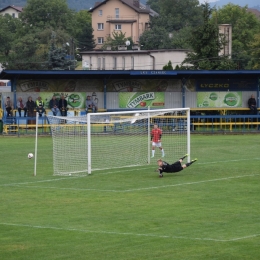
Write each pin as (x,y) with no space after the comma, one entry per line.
(121,17)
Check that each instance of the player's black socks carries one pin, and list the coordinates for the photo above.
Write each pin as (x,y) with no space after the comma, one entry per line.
(184,157)
(190,163)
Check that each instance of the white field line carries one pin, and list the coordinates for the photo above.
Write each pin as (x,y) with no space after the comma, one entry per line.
(227,161)
(129,233)
(139,189)
(68,177)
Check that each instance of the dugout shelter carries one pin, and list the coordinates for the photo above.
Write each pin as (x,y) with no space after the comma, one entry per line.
(173,88)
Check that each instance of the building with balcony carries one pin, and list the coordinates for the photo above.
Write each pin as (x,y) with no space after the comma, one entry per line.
(127,16)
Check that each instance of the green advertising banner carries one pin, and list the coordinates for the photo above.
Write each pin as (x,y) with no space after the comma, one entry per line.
(141,99)
(75,99)
(219,99)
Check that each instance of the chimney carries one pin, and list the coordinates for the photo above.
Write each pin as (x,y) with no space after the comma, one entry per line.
(136,3)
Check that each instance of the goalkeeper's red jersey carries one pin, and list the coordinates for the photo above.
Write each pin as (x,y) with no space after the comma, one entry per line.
(156,133)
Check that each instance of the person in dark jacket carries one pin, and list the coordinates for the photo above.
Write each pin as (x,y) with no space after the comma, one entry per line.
(54,105)
(63,106)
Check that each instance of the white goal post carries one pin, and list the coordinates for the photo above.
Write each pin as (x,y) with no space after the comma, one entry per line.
(109,140)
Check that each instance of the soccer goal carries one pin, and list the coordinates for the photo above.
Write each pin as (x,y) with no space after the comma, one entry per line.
(109,140)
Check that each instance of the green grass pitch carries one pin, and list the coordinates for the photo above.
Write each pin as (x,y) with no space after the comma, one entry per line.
(210,210)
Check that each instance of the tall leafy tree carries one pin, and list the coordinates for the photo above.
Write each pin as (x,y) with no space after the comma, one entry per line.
(156,38)
(154,4)
(48,13)
(207,44)
(244,26)
(254,46)
(8,31)
(24,53)
(83,32)
(181,13)
(173,25)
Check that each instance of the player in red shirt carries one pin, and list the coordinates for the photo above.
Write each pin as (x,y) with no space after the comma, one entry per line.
(156,136)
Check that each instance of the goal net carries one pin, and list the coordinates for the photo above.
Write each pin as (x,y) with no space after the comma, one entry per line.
(109,140)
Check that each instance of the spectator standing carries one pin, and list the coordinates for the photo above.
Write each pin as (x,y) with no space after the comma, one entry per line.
(252,105)
(30,105)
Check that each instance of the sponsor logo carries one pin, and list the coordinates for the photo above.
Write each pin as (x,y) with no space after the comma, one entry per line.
(140,100)
(35,86)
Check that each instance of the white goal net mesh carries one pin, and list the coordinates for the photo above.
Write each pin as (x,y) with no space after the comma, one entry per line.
(116,140)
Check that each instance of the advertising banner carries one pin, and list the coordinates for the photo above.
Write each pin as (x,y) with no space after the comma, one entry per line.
(75,99)
(219,99)
(226,85)
(141,100)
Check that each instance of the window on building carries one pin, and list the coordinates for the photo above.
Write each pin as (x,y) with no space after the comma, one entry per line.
(100,40)
(132,63)
(100,12)
(118,26)
(100,26)
(13,15)
(146,26)
(103,63)
(123,63)
(114,63)
(117,12)
(99,63)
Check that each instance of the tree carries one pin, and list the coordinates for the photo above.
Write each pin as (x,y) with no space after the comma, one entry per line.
(23,55)
(244,26)
(57,58)
(181,13)
(83,32)
(254,46)
(156,38)
(8,30)
(118,38)
(173,26)
(168,66)
(207,44)
(154,4)
(48,13)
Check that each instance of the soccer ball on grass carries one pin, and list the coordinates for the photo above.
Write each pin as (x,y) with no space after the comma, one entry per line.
(30,155)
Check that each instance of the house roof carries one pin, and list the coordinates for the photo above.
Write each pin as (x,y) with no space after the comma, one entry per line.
(134,4)
(17,8)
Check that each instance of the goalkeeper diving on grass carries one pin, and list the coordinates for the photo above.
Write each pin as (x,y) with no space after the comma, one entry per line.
(175,167)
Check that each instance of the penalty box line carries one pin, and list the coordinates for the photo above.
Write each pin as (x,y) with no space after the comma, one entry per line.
(129,233)
(140,189)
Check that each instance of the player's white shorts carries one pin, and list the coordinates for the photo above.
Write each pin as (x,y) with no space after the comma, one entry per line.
(159,144)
